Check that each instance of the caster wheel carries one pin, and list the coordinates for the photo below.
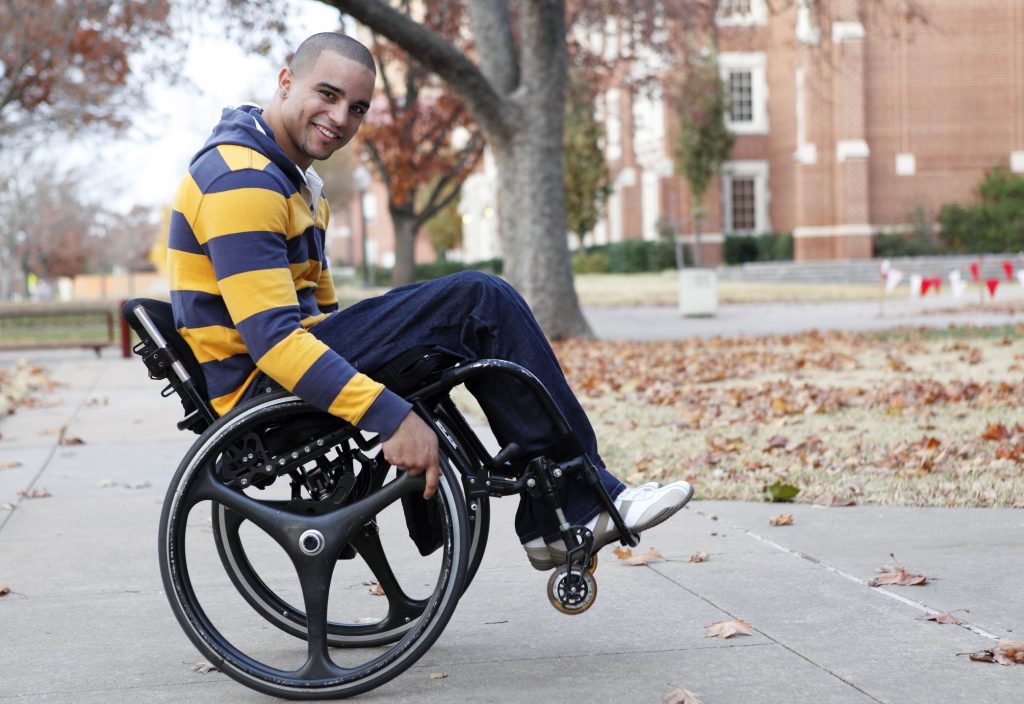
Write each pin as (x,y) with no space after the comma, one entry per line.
(572,590)
(592,567)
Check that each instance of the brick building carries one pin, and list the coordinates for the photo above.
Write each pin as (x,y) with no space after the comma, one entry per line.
(842,131)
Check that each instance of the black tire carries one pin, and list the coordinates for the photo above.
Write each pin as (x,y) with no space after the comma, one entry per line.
(312,534)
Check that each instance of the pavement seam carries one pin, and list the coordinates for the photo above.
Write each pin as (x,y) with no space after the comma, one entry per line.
(857,580)
(777,642)
(53,450)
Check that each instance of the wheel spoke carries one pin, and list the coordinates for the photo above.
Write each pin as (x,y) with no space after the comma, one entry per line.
(401,607)
(267,515)
(315,578)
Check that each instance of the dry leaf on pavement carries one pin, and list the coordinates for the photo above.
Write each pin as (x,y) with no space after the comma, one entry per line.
(205,667)
(782,519)
(680,696)
(726,629)
(9,464)
(622,553)
(4,590)
(34,494)
(643,558)
(1005,652)
(377,590)
(438,675)
(700,557)
(897,575)
(947,618)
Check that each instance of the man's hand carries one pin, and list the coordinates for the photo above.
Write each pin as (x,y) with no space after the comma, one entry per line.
(413,447)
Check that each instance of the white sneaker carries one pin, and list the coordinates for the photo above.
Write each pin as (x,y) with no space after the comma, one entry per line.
(641,508)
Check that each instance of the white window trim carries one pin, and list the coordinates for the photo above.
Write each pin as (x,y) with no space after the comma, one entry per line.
(758,170)
(757,16)
(755,62)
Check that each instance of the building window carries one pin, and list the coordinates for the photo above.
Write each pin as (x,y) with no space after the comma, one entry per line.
(741,98)
(743,74)
(745,197)
(743,206)
(742,12)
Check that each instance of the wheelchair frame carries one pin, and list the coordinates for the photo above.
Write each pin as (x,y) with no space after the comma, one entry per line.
(571,589)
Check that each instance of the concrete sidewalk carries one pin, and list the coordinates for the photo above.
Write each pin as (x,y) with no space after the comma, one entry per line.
(87,620)
(665,322)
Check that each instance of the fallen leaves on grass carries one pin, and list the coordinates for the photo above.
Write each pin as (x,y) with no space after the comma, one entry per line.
(946,618)
(679,695)
(34,494)
(896,575)
(829,499)
(642,558)
(727,629)
(782,519)
(700,557)
(1005,652)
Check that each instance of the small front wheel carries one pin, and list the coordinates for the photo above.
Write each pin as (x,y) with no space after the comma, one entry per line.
(572,590)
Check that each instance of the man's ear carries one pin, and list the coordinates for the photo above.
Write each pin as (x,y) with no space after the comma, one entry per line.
(284,81)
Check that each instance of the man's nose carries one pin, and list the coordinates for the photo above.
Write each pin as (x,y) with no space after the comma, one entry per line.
(339,114)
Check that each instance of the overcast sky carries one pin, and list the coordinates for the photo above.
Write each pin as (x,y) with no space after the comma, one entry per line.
(146,164)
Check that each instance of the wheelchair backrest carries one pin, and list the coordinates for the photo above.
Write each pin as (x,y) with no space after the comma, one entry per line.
(168,356)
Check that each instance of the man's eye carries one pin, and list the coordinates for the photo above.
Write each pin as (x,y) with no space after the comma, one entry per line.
(328,95)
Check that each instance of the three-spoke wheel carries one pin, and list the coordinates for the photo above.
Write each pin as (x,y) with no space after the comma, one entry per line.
(314,529)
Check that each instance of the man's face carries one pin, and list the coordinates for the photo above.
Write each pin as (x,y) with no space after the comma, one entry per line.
(323,107)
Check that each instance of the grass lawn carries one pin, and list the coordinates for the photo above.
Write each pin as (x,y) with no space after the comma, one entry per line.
(662,289)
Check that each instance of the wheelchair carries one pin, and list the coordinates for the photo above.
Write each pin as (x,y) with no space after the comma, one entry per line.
(327,542)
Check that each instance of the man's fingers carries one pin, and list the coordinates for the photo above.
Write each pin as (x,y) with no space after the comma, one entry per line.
(433,479)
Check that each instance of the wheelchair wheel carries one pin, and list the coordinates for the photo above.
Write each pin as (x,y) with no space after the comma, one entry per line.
(227,529)
(324,522)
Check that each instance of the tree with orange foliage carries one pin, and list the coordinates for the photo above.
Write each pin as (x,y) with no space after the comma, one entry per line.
(411,135)
(64,66)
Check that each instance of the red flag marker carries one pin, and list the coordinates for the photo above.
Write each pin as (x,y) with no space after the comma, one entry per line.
(1008,268)
(975,270)
(992,285)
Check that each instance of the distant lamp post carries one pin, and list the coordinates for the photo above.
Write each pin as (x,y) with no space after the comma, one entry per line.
(361,179)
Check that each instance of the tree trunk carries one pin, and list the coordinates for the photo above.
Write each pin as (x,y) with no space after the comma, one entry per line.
(405,247)
(698,260)
(531,182)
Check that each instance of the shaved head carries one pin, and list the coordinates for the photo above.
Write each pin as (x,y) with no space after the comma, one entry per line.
(341,44)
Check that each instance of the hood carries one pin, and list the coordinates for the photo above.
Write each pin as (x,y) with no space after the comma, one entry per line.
(246,127)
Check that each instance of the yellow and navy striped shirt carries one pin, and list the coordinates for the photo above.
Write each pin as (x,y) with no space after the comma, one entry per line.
(249,278)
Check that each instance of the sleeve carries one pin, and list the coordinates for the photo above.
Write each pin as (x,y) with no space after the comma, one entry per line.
(242,224)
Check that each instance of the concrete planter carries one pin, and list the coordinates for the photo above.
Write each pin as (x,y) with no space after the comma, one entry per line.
(698,292)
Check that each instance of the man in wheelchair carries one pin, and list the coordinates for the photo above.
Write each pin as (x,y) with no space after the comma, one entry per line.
(253,298)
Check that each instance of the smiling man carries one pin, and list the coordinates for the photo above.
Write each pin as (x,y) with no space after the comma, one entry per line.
(253,297)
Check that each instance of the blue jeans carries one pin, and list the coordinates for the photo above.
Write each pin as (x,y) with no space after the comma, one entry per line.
(477,316)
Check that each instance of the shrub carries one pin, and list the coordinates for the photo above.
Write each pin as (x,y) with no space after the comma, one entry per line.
(775,246)
(996,224)
(590,263)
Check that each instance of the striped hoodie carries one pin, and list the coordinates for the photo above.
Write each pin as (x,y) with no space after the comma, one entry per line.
(249,277)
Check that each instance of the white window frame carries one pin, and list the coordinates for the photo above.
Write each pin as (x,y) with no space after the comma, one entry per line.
(757,170)
(757,16)
(755,63)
